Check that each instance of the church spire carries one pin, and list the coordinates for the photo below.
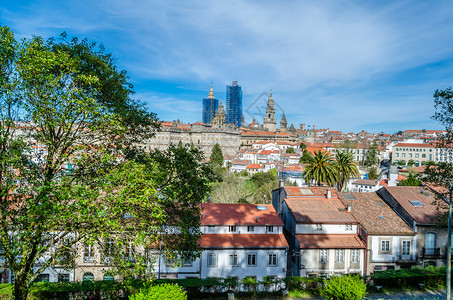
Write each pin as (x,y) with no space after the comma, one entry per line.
(211,92)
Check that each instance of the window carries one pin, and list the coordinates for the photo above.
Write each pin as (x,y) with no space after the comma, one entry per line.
(430,243)
(318,227)
(403,154)
(42,278)
(250,228)
(212,260)
(88,277)
(211,228)
(354,255)
(232,228)
(396,154)
(233,260)
(272,260)
(169,261)
(339,255)
(187,262)
(88,253)
(423,155)
(323,256)
(417,155)
(269,228)
(385,246)
(130,251)
(406,248)
(108,278)
(348,227)
(410,155)
(251,260)
(108,250)
(63,277)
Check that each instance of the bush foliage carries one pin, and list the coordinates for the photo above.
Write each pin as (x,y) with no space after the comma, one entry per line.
(347,287)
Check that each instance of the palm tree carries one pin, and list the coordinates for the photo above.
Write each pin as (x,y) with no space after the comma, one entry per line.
(346,168)
(320,168)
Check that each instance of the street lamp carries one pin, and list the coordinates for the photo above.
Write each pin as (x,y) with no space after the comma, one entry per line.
(450,190)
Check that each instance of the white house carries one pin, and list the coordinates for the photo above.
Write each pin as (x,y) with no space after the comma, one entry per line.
(391,243)
(321,231)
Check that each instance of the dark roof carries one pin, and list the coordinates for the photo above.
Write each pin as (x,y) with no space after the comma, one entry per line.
(425,214)
(376,216)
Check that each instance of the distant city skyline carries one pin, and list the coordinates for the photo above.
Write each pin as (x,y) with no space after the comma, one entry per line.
(346,66)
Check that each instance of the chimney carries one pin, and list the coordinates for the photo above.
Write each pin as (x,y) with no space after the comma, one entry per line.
(256,219)
(281,184)
(329,194)
(349,207)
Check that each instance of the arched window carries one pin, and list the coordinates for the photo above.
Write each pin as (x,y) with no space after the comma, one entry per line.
(88,277)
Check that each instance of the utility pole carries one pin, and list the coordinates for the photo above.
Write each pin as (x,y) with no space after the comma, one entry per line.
(450,189)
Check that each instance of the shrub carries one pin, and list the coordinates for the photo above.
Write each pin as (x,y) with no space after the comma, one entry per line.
(347,287)
(163,291)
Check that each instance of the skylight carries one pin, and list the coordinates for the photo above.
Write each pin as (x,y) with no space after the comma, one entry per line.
(348,196)
(380,203)
(306,191)
(381,217)
(261,207)
(416,203)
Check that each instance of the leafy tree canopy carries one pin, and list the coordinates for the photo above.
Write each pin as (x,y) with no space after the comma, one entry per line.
(70,171)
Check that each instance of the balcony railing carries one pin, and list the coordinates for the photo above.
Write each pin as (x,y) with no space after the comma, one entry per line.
(430,252)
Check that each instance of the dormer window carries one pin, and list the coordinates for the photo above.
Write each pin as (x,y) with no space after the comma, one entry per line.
(232,228)
(318,227)
(269,228)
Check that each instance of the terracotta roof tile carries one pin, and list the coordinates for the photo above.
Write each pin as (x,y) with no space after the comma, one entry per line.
(317,241)
(376,216)
(243,241)
(319,210)
(404,194)
(238,214)
(414,145)
(366,181)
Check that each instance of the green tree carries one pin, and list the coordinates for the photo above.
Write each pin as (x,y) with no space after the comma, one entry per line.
(216,158)
(411,163)
(303,146)
(321,169)
(90,183)
(371,155)
(346,168)
(306,157)
(372,173)
(410,181)
(401,163)
(290,150)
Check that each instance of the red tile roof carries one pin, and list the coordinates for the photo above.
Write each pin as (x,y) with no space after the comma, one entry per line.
(243,241)
(414,145)
(238,214)
(253,166)
(404,194)
(376,216)
(319,210)
(366,182)
(330,241)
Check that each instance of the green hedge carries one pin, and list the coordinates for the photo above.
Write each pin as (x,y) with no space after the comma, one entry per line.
(431,277)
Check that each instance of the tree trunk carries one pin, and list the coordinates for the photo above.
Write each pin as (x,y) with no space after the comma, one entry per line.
(20,291)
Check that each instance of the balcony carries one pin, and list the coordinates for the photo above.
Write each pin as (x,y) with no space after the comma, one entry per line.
(430,253)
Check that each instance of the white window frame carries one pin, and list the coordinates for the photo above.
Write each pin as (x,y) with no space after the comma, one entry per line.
(318,227)
(385,246)
(211,228)
(250,228)
(405,249)
(339,256)
(251,259)
(211,260)
(272,259)
(232,228)
(270,228)
(233,260)
(323,256)
(348,227)
(355,256)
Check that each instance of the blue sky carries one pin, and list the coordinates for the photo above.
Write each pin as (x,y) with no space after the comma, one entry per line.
(343,65)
